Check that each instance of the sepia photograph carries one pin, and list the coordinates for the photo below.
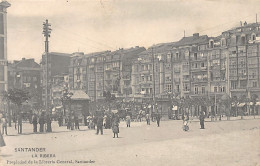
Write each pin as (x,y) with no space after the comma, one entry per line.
(130,82)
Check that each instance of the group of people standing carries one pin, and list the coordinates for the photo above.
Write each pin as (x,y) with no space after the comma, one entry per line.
(43,120)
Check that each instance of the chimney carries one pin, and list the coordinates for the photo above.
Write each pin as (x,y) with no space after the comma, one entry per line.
(196,35)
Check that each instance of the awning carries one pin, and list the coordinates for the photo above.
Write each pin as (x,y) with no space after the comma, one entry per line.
(175,108)
(257,103)
(241,104)
(58,107)
(79,95)
(114,111)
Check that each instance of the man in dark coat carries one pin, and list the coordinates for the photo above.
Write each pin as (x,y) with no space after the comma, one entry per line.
(34,122)
(41,122)
(202,117)
(76,122)
(158,118)
(100,125)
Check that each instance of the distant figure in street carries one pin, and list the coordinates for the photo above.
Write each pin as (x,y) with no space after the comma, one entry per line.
(20,124)
(108,122)
(95,121)
(68,122)
(100,125)
(4,125)
(186,122)
(115,128)
(128,121)
(48,120)
(76,122)
(147,119)
(41,122)
(158,118)
(34,122)
(202,117)
(60,119)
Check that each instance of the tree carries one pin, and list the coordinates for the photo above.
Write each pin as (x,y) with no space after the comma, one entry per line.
(226,102)
(17,97)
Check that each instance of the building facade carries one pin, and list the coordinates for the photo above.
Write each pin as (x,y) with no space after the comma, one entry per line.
(26,74)
(100,72)
(3,49)
(57,65)
(202,67)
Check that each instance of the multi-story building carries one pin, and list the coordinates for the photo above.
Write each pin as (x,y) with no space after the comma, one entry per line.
(26,74)
(57,64)
(59,83)
(202,67)
(87,73)
(3,50)
(101,72)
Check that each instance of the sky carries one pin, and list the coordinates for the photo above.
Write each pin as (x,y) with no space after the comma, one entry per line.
(97,25)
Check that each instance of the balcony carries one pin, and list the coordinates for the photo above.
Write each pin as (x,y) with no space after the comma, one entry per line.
(199,80)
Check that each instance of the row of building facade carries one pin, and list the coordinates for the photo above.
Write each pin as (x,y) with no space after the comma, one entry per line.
(195,66)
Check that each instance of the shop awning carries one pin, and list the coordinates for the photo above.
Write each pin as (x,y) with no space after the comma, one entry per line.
(79,95)
(241,104)
(114,111)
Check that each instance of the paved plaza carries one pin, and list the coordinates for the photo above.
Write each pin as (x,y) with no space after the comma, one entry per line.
(235,142)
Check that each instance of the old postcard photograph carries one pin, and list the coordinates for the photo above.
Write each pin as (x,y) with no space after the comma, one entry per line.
(129,82)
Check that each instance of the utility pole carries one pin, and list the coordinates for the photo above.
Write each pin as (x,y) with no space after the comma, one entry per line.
(46,33)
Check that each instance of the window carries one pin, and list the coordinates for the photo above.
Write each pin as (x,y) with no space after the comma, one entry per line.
(211,44)
(196,89)
(178,88)
(169,87)
(195,56)
(202,64)
(243,40)
(233,85)
(215,89)
(142,78)
(253,36)
(254,84)
(151,77)
(203,90)
(177,55)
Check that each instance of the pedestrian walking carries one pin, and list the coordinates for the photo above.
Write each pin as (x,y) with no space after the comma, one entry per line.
(158,118)
(100,125)
(128,121)
(4,125)
(147,119)
(76,122)
(115,128)
(34,122)
(2,141)
(20,124)
(186,122)
(41,122)
(202,117)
